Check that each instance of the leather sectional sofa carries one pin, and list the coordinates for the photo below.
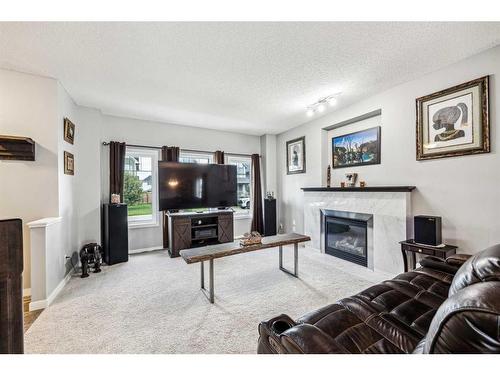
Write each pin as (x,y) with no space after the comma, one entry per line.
(445,306)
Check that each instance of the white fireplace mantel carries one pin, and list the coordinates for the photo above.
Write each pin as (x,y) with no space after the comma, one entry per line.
(391,210)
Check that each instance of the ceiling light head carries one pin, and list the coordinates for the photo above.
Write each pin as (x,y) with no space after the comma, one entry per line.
(321,107)
(331,101)
(310,112)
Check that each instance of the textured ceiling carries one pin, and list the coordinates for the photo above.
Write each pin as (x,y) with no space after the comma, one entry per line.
(250,78)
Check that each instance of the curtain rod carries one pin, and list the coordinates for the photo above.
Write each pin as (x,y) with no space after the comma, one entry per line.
(182,149)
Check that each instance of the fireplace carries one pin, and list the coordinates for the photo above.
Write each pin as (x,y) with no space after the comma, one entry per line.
(346,235)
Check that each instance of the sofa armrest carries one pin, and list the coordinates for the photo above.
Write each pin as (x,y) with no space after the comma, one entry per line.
(270,330)
(306,338)
(457,259)
(438,264)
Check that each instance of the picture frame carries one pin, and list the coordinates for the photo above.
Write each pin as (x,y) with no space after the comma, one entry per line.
(296,156)
(454,121)
(356,149)
(69,163)
(69,131)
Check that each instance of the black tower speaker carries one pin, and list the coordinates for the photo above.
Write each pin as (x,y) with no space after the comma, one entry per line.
(427,230)
(269,217)
(115,233)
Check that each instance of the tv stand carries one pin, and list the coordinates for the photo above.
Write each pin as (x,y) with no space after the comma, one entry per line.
(187,230)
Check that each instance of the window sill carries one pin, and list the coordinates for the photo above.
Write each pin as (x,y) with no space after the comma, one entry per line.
(242,217)
(138,225)
(144,223)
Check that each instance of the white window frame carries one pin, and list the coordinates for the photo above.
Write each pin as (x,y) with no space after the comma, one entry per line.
(194,154)
(238,215)
(143,221)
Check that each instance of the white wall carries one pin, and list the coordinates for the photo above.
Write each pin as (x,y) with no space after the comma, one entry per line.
(150,133)
(463,190)
(29,189)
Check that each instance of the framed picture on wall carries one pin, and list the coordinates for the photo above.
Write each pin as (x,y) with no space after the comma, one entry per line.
(296,156)
(69,131)
(356,149)
(69,163)
(454,122)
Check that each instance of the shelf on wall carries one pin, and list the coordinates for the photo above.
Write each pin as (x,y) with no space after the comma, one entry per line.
(17,148)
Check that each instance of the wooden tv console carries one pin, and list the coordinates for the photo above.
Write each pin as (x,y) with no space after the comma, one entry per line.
(187,230)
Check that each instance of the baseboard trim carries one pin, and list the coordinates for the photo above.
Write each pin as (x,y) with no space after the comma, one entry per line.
(146,249)
(44,303)
(26,292)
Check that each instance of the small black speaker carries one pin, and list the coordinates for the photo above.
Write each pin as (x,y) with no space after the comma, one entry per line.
(427,230)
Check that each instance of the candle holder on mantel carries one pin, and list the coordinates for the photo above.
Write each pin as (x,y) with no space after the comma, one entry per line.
(362,184)
(328,176)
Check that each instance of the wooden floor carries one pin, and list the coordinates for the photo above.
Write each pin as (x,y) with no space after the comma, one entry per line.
(29,316)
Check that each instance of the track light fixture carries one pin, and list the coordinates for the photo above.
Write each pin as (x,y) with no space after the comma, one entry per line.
(320,105)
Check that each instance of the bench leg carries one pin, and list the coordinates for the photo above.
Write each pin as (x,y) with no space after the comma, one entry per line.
(210,292)
(295,272)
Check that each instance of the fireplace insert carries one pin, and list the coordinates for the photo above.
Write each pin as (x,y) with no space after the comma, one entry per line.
(346,235)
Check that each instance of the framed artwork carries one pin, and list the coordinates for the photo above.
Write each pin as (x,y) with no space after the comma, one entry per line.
(356,149)
(454,122)
(69,131)
(69,163)
(296,156)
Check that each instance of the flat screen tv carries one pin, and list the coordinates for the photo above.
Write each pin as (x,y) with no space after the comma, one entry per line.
(191,185)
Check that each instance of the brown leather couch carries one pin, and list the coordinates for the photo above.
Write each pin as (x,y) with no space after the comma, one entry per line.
(445,306)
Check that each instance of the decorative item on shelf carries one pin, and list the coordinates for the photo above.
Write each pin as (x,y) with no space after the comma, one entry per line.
(454,122)
(69,131)
(69,163)
(270,195)
(351,179)
(342,184)
(358,148)
(115,198)
(328,176)
(362,184)
(281,229)
(253,238)
(296,156)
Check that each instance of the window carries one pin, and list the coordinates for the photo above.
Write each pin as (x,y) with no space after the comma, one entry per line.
(243,168)
(140,186)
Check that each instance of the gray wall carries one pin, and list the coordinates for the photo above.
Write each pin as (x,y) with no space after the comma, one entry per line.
(463,190)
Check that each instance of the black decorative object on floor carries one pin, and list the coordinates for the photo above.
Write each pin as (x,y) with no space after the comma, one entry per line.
(91,256)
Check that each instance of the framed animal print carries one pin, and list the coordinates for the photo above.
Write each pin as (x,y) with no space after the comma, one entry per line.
(69,131)
(454,122)
(296,156)
(69,163)
(356,149)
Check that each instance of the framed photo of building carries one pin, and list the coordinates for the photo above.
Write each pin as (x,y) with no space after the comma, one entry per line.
(296,156)
(69,163)
(356,149)
(454,122)
(69,131)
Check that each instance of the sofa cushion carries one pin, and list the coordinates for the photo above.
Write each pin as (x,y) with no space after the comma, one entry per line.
(390,317)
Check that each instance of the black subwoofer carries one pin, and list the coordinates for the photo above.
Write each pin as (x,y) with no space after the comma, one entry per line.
(427,230)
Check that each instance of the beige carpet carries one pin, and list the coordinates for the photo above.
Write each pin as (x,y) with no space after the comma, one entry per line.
(153,304)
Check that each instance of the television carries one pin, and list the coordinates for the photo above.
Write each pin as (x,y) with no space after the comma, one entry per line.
(191,185)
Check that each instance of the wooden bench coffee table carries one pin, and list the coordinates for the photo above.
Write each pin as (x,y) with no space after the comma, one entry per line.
(209,253)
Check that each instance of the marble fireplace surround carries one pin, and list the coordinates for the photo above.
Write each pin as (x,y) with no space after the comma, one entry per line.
(391,210)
